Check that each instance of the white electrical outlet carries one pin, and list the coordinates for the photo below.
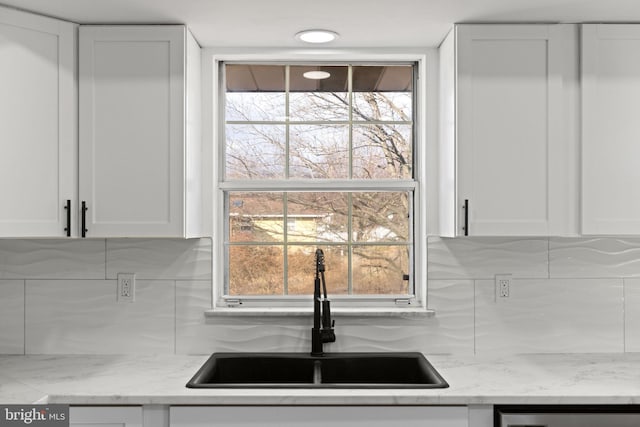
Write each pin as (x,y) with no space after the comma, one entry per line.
(126,287)
(503,285)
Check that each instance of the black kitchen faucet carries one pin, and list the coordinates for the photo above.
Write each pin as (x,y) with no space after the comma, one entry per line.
(322,331)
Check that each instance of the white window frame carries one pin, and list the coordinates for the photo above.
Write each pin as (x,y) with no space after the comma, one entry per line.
(356,305)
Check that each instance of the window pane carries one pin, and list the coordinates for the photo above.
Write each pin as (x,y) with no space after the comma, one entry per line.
(302,268)
(317,217)
(255,217)
(380,269)
(354,123)
(255,106)
(383,93)
(255,151)
(382,151)
(319,106)
(256,270)
(255,92)
(319,152)
(372,106)
(381,217)
(319,99)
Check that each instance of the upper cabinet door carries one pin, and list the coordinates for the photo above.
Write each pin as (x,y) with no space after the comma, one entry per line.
(610,129)
(38,138)
(514,153)
(133,141)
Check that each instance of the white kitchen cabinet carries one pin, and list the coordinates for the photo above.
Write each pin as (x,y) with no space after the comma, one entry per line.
(38,121)
(610,129)
(508,139)
(319,416)
(139,131)
(112,416)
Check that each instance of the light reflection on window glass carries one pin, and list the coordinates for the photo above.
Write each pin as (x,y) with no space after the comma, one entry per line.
(383,93)
(319,100)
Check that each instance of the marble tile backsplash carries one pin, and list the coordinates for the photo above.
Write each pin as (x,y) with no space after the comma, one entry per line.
(567,295)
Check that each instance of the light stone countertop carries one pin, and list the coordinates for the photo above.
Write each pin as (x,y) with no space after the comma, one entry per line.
(141,380)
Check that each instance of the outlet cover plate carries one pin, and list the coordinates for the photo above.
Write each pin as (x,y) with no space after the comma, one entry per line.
(126,287)
(503,285)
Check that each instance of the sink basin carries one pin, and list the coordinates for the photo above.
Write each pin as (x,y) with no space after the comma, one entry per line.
(243,368)
(332,370)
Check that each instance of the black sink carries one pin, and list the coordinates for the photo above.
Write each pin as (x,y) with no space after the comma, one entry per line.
(249,368)
(380,368)
(331,370)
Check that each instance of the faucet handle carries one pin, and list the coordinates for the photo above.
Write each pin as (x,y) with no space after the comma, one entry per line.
(328,335)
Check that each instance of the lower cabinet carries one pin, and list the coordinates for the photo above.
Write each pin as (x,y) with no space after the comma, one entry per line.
(105,416)
(319,416)
(278,416)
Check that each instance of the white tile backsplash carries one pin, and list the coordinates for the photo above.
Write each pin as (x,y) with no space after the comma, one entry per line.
(568,294)
(83,316)
(11,317)
(550,316)
(197,334)
(452,328)
(52,259)
(594,257)
(193,334)
(632,314)
(177,259)
(450,331)
(483,257)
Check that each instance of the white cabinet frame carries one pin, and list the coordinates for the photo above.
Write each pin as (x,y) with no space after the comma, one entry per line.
(139,131)
(105,416)
(610,129)
(319,416)
(484,134)
(38,125)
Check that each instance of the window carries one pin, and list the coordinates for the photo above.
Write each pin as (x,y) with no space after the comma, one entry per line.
(318,156)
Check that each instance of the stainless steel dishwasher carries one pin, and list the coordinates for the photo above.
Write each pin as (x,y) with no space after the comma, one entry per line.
(567,416)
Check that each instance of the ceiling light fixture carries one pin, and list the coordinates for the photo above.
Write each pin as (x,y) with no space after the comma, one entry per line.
(317,36)
(316,75)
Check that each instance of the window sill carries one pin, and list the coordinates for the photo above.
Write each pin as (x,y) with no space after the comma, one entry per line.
(411,313)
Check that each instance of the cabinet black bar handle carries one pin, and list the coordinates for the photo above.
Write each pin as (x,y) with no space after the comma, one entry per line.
(67,206)
(84,218)
(466,217)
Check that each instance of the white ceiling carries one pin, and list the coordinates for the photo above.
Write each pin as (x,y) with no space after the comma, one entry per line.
(361,23)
